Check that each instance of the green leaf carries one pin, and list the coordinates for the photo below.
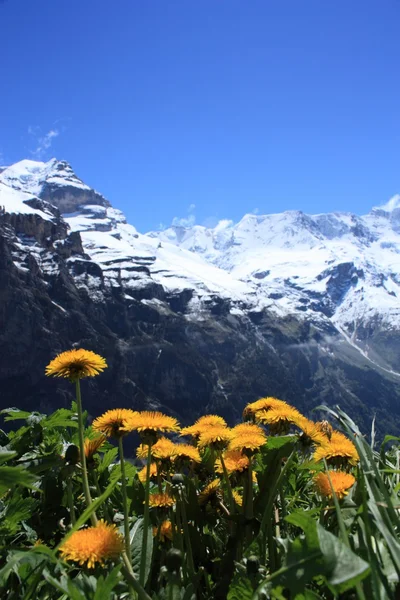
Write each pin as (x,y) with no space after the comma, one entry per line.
(13,414)
(74,593)
(108,458)
(190,592)
(280,441)
(19,509)
(387,439)
(319,552)
(63,417)
(38,465)
(89,511)
(106,586)
(6,455)
(33,558)
(268,468)
(240,588)
(61,586)
(173,591)
(136,538)
(130,471)
(308,595)
(343,568)
(12,476)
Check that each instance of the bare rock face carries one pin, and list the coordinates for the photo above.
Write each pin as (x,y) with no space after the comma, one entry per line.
(178,333)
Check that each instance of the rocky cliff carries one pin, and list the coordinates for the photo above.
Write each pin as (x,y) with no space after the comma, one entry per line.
(182,330)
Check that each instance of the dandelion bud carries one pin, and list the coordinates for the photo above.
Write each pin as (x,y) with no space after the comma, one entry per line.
(252,565)
(72,454)
(177,479)
(174,559)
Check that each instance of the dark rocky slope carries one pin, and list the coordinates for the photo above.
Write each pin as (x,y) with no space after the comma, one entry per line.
(160,354)
(159,359)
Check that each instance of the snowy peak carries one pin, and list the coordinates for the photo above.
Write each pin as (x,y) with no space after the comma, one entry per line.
(53,181)
(114,255)
(16,202)
(31,176)
(339,268)
(335,270)
(391,205)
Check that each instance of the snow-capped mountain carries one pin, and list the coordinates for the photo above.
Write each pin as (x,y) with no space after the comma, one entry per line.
(127,259)
(338,267)
(305,307)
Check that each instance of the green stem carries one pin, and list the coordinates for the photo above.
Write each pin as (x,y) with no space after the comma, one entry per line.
(81,427)
(172,514)
(266,520)
(271,551)
(185,524)
(342,527)
(71,500)
(131,579)
(159,477)
(99,492)
(179,529)
(124,499)
(142,572)
(376,571)
(248,499)
(228,485)
(283,506)
(272,494)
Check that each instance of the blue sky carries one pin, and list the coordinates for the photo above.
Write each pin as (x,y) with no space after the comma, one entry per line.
(207,109)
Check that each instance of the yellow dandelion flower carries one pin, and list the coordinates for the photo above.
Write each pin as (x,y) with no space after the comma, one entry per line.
(237,498)
(341,483)
(312,432)
(247,428)
(165,531)
(150,424)
(247,437)
(93,545)
(262,404)
(161,501)
(338,451)
(280,418)
(186,452)
(115,422)
(211,492)
(76,364)
(143,472)
(216,437)
(203,424)
(92,446)
(163,449)
(142,451)
(235,462)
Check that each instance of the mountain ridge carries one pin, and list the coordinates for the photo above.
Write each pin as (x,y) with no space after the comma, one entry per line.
(241,314)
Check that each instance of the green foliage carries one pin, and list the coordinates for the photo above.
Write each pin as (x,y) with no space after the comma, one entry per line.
(136,539)
(293,544)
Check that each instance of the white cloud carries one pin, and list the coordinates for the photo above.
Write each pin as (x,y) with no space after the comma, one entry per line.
(188,221)
(255,211)
(33,130)
(43,142)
